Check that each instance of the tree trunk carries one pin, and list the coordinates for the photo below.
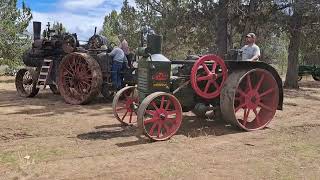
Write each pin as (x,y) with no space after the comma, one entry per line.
(249,20)
(293,51)
(222,28)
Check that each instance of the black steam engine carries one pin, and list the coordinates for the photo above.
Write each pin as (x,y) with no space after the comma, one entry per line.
(78,73)
(43,59)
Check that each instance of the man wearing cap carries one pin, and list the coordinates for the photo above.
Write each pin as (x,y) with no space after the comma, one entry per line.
(250,52)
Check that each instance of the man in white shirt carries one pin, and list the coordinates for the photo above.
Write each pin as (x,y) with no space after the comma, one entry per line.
(119,59)
(250,52)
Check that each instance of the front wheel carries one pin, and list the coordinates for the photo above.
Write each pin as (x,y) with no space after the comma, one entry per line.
(124,105)
(160,116)
(26,83)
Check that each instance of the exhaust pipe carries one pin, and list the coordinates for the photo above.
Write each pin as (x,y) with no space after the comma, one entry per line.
(36,30)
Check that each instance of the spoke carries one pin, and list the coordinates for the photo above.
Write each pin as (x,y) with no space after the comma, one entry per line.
(162,102)
(205,67)
(131,113)
(245,117)
(265,106)
(239,107)
(214,67)
(206,89)
(152,120)
(216,84)
(154,105)
(124,115)
(260,82)
(249,82)
(267,92)
(166,128)
(152,128)
(168,105)
(153,113)
(241,92)
(68,71)
(257,117)
(203,78)
(159,129)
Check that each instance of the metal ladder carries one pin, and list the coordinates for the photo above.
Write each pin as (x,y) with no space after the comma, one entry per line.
(44,73)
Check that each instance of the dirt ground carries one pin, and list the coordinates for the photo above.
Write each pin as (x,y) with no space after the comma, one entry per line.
(44,138)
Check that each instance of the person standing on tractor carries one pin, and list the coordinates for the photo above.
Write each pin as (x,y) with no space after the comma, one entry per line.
(119,60)
(125,47)
(250,52)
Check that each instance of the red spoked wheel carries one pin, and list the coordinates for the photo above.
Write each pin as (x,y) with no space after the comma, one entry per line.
(250,99)
(160,116)
(80,78)
(208,76)
(125,104)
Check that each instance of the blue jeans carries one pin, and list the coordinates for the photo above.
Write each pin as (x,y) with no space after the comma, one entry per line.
(115,75)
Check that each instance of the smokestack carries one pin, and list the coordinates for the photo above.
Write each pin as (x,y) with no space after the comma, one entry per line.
(36,30)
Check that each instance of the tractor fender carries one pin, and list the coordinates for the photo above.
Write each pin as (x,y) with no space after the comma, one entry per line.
(248,65)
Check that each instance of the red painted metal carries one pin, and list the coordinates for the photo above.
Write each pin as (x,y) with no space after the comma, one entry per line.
(256,100)
(124,104)
(161,116)
(208,76)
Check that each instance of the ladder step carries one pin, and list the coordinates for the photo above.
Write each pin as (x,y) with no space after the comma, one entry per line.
(41,86)
(45,67)
(47,60)
(42,80)
(44,73)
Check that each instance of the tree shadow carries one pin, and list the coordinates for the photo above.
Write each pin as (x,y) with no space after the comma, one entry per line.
(47,104)
(7,81)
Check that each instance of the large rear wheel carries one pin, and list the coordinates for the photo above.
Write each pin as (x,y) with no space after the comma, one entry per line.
(80,78)
(250,99)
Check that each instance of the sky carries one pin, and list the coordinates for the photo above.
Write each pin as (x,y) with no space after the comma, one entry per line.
(78,16)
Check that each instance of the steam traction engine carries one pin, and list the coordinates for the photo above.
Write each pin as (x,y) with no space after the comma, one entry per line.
(43,59)
(80,73)
(247,94)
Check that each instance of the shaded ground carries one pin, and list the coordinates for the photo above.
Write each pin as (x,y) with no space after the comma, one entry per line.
(44,138)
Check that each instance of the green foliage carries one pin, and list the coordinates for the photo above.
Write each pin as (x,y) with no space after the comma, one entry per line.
(193,26)
(13,24)
(111,27)
(129,24)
